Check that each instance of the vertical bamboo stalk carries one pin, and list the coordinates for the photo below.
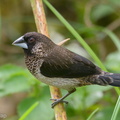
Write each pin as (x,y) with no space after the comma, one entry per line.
(40,20)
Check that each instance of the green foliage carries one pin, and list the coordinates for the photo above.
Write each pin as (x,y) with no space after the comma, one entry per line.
(31,109)
(114,38)
(101,11)
(14,79)
(113,66)
(116,110)
(91,115)
(27,112)
(115,2)
(84,101)
(105,114)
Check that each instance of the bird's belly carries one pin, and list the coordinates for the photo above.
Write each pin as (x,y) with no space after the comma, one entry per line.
(64,83)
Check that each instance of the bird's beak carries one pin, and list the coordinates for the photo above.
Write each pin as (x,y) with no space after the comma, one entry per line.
(20,42)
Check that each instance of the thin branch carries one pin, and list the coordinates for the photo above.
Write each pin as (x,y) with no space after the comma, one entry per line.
(40,20)
(63,42)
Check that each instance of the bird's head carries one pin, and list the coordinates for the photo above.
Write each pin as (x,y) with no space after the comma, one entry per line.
(34,43)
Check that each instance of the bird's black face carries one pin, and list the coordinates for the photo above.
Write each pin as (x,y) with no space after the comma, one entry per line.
(30,40)
(33,43)
(27,41)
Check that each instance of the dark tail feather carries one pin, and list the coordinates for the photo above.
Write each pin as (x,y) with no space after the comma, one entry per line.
(116,80)
(110,79)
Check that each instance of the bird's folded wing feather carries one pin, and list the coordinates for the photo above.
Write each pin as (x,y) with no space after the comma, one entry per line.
(67,65)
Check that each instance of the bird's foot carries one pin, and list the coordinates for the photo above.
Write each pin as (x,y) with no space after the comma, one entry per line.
(56,101)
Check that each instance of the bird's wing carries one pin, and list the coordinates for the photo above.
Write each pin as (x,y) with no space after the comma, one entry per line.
(67,65)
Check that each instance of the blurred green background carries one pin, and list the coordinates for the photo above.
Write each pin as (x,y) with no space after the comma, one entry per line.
(98,22)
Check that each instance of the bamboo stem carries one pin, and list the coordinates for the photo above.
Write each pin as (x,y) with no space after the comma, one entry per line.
(40,20)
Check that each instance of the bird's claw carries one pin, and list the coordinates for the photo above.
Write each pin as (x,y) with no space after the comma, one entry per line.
(56,101)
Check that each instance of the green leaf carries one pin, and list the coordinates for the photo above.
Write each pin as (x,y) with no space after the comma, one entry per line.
(91,115)
(25,104)
(97,88)
(8,69)
(14,79)
(29,111)
(79,99)
(101,10)
(113,66)
(105,113)
(15,84)
(42,111)
(115,2)
(116,109)
(113,37)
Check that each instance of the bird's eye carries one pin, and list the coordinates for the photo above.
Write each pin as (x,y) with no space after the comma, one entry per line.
(31,40)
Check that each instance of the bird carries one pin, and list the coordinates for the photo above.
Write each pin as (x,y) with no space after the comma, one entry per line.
(57,66)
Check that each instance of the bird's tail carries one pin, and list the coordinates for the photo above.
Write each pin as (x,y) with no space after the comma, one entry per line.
(108,79)
(116,80)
